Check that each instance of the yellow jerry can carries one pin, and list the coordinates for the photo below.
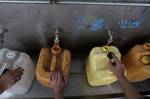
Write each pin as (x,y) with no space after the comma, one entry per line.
(137,62)
(52,59)
(98,67)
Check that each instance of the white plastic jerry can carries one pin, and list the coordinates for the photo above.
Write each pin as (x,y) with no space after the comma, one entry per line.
(10,59)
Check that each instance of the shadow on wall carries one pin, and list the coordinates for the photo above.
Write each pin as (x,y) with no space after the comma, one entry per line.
(132,42)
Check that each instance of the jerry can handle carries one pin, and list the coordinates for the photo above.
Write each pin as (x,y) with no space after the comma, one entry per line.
(146,59)
(146,46)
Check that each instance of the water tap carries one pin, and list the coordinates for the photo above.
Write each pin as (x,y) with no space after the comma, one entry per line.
(56,40)
(110,39)
(56,48)
(2,34)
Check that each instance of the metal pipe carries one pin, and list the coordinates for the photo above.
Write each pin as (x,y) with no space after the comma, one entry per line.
(76,3)
(106,3)
(25,1)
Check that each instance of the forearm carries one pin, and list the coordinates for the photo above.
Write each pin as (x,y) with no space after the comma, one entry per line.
(59,95)
(1,89)
(129,91)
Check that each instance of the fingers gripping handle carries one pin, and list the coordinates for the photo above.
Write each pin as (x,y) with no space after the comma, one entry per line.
(110,55)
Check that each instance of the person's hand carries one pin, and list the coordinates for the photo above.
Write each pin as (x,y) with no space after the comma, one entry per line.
(9,78)
(58,82)
(117,66)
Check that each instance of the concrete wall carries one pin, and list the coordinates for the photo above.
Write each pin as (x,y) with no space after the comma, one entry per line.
(30,26)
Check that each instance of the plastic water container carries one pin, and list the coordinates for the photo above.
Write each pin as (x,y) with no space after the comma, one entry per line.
(51,60)
(137,62)
(98,68)
(10,59)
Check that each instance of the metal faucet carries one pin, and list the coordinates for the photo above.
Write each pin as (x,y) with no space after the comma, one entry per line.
(56,40)
(110,35)
(2,33)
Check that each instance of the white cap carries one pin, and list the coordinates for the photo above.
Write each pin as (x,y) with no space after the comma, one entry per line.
(11,54)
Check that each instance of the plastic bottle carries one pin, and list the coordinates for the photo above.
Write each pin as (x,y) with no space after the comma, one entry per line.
(10,59)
